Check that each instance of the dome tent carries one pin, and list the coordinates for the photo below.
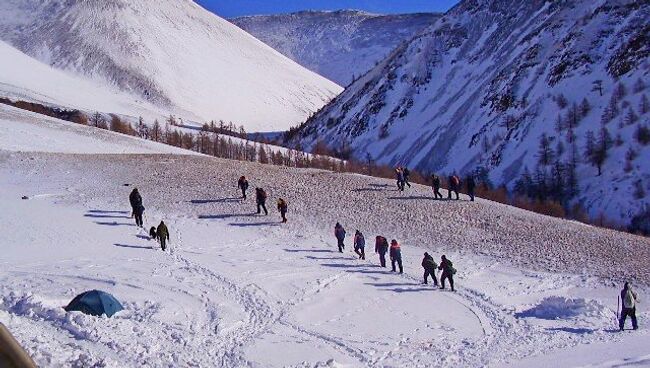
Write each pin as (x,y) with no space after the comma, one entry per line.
(95,303)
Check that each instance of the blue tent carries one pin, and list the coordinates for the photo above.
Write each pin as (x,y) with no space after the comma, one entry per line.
(95,303)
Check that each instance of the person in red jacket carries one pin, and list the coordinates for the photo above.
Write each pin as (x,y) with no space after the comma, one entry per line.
(381,247)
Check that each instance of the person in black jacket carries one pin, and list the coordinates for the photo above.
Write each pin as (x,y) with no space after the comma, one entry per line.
(260,196)
(163,235)
(435,185)
(242,184)
(429,266)
(381,248)
(339,233)
(454,186)
(448,272)
(136,205)
(283,207)
(471,186)
(407,175)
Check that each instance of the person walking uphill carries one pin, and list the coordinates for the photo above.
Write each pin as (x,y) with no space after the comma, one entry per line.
(471,187)
(381,247)
(260,197)
(163,235)
(429,266)
(435,185)
(360,244)
(629,300)
(407,174)
(339,233)
(454,186)
(396,255)
(242,184)
(399,175)
(282,207)
(136,205)
(448,272)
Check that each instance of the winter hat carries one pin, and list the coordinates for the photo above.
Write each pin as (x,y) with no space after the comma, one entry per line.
(426,254)
(444,257)
(393,241)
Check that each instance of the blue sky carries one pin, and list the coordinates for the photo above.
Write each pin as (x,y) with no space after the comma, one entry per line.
(235,8)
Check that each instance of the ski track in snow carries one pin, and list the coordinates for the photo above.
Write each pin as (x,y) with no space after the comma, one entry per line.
(241,290)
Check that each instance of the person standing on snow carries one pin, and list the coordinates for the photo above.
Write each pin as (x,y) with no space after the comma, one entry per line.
(136,205)
(435,185)
(163,235)
(471,186)
(396,255)
(429,266)
(381,247)
(629,300)
(360,244)
(339,233)
(448,272)
(242,184)
(282,207)
(260,197)
(399,174)
(454,186)
(407,174)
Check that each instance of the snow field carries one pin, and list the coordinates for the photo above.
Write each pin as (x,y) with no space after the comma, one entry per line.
(240,289)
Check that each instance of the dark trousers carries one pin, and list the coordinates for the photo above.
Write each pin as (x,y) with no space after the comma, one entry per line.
(628,312)
(432,273)
(406,181)
(284,216)
(453,190)
(262,206)
(361,252)
(138,218)
(399,263)
(340,244)
(450,277)
(436,193)
(471,194)
(243,193)
(163,243)
(382,259)
(400,185)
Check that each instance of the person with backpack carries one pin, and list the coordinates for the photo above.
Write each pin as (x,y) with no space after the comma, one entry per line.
(136,205)
(435,185)
(381,248)
(360,244)
(260,197)
(471,186)
(399,174)
(448,272)
(629,301)
(282,207)
(429,266)
(454,186)
(163,235)
(242,184)
(407,174)
(339,233)
(396,255)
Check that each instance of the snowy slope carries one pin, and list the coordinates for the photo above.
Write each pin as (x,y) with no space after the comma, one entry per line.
(243,290)
(483,85)
(340,45)
(173,54)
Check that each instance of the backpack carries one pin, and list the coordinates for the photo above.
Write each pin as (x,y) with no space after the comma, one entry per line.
(455,181)
(628,299)
(262,194)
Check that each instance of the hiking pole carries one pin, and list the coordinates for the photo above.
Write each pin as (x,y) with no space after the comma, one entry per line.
(618,316)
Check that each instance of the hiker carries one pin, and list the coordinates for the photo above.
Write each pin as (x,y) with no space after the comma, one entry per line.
(163,235)
(471,186)
(282,207)
(396,255)
(454,186)
(360,244)
(629,300)
(243,185)
(381,247)
(136,205)
(448,272)
(339,232)
(152,233)
(260,196)
(429,266)
(435,185)
(399,174)
(406,173)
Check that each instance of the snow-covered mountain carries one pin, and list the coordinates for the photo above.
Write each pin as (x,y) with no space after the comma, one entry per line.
(493,81)
(340,45)
(172,54)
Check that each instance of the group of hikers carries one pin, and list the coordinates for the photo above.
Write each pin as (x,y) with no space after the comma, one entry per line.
(261,197)
(161,233)
(402,174)
(394,251)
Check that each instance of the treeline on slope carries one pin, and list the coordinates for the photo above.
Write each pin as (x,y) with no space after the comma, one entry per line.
(543,193)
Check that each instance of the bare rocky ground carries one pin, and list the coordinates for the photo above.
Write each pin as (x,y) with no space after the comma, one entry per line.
(205,187)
